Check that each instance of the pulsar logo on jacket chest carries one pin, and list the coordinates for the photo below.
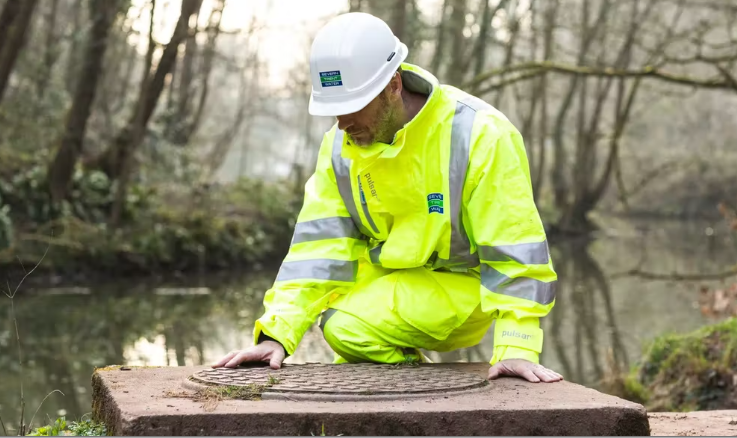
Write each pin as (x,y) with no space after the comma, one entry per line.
(371,185)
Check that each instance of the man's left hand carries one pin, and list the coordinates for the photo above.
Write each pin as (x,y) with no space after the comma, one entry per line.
(525,369)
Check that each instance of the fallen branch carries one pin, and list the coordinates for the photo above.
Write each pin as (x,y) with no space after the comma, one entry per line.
(732,272)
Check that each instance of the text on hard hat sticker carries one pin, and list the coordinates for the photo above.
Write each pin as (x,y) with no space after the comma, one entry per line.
(331,78)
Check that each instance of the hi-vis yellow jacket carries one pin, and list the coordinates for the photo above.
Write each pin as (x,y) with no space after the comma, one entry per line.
(452,192)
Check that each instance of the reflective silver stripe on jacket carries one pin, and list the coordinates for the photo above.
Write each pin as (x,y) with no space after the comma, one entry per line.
(523,253)
(521,287)
(460,145)
(342,170)
(365,207)
(374,254)
(318,269)
(460,151)
(327,228)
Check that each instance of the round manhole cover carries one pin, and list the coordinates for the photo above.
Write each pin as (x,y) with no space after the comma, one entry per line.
(345,379)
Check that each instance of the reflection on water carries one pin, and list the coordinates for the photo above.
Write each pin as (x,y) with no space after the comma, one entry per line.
(600,322)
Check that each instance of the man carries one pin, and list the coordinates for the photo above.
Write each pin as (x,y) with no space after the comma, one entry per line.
(418,228)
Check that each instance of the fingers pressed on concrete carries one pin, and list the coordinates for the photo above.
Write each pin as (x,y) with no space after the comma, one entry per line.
(493,372)
(530,375)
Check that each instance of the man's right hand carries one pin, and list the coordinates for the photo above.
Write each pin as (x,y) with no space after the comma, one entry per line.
(267,351)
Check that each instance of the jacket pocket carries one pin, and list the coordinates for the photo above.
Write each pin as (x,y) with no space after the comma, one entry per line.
(421,301)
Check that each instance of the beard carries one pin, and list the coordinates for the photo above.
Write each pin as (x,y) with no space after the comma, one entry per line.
(386,126)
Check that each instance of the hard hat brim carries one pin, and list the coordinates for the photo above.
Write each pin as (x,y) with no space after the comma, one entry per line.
(343,107)
(334,109)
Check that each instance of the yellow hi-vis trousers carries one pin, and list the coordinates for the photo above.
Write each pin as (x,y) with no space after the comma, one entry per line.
(388,315)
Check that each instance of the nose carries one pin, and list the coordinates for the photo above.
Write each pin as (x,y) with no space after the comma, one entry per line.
(344,122)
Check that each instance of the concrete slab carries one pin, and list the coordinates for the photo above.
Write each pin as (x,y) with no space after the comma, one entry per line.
(704,423)
(165,401)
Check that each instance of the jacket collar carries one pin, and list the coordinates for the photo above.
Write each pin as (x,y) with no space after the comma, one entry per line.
(415,79)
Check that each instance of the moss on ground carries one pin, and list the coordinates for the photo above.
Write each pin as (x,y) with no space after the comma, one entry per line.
(691,372)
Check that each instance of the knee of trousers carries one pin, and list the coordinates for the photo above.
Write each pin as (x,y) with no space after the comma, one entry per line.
(341,331)
(355,341)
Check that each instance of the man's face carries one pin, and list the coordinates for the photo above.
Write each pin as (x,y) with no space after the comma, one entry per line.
(377,121)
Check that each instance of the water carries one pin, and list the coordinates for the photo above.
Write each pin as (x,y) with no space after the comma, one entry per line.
(601,320)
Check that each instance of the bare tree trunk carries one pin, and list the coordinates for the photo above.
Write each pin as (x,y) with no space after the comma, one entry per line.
(248,99)
(480,48)
(529,118)
(50,51)
(171,91)
(187,73)
(15,40)
(73,57)
(62,167)
(355,6)
(440,40)
(399,20)
(587,191)
(208,57)
(222,145)
(560,184)
(622,113)
(130,138)
(130,56)
(7,17)
(457,24)
(149,51)
(509,49)
(550,20)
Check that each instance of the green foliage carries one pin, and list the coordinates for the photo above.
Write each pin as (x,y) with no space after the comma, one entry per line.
(56,429)
(207,227)
(60,427)
(90,197)
(688,372)
(87,428)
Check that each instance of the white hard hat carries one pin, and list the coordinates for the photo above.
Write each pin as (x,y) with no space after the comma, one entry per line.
(352,59)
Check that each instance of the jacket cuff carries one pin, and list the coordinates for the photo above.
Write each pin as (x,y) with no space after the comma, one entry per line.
(264,337)
(274,331)
(517,339)
(507,352)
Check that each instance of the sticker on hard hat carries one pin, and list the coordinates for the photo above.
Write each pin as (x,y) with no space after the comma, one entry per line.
(331,78)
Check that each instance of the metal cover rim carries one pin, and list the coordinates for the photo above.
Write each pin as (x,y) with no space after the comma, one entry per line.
(344,379)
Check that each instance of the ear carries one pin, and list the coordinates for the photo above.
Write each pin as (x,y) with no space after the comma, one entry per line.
(395,84)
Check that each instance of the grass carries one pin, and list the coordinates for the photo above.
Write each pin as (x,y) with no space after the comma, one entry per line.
(690,372)
(322,432)
(23,428)
(211,396)
(84,427)
(409,360)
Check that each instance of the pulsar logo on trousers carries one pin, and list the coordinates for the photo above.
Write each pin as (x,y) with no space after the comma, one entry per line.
(515,334)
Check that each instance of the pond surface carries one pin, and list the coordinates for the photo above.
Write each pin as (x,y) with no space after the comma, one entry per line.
(601,321)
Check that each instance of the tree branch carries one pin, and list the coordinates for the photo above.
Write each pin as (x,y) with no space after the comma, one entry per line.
(732,272)
(533,69)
